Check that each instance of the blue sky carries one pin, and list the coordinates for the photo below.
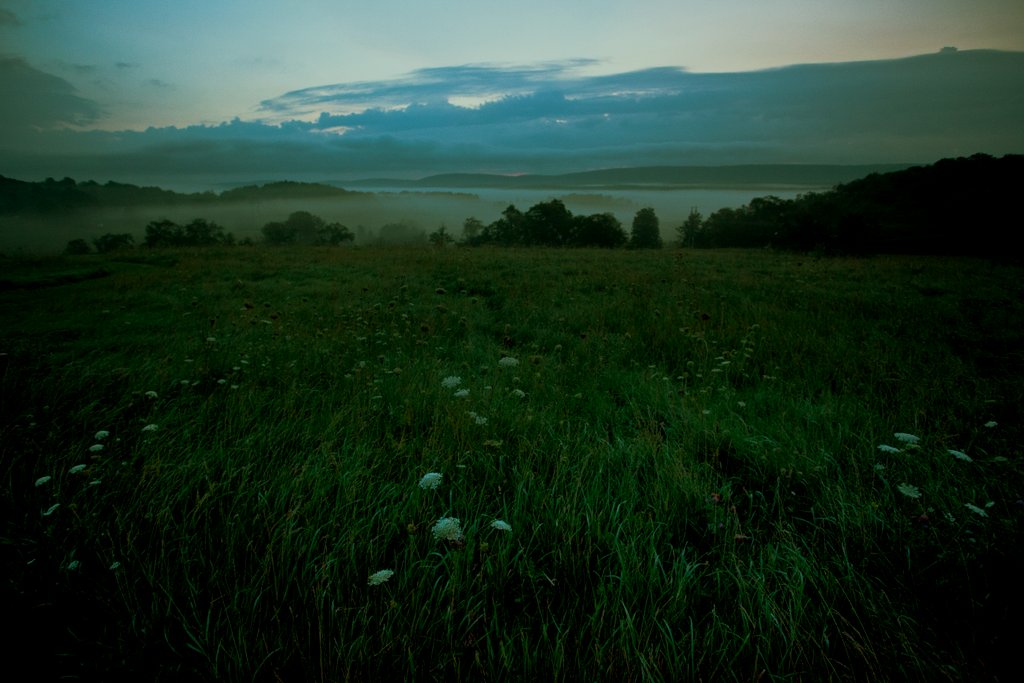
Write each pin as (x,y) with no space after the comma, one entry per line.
(112,88)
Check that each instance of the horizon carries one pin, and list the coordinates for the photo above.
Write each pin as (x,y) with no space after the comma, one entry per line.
(202,97)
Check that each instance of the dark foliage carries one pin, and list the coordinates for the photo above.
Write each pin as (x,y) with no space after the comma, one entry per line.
(303,227)
(51,195)
(548,223)
(77,248)
(113,242)
(199,233)
(953,207)
(646,230)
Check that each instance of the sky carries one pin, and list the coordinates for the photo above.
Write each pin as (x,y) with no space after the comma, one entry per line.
(192,91)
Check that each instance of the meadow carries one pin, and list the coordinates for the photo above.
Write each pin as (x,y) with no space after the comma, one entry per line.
(416,463)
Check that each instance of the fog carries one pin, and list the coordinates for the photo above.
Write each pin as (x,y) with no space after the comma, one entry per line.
(419,213)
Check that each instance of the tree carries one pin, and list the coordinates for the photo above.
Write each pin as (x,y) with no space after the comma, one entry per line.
(548,223)
(440,237)
(278,233)
(686,234)
(646,230)
(472,228)
(334,234)
(77,248)
(113,242)
(599,230)
(163,233)
(201,233)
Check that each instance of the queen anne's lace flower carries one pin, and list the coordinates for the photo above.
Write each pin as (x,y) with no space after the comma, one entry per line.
(906,438)
(976,510)
(451,381)
(448,529)
(377,578)
(431,480)
(501,525)
(909,490)
(508,362)
(960,455)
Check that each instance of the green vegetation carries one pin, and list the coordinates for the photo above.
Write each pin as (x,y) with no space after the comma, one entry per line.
(549,224)
(954,207)
(304,228)
(704,458)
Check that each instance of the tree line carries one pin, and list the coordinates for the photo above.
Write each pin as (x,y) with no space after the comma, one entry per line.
(551,224)
(300,228)
(955,206)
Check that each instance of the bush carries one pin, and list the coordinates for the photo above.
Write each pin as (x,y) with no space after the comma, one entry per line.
(113,242)
(77,248)
(199,233)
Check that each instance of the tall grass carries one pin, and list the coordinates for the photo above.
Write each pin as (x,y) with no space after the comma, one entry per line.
(685,448)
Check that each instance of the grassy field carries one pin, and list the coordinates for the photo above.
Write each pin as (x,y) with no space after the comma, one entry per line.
(709,465)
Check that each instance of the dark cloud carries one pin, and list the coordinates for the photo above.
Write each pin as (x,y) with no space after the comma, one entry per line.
(8,18)
(550,118)
(425,85)
(36,100)
(126,65)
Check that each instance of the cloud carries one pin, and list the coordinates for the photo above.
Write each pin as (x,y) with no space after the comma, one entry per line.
(424,86)
(552,117)
(35,100)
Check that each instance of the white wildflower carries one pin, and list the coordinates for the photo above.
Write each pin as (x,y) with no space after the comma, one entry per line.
(508,362)
(377,578)
(51,510)
(151,394)
(102,434)
(42,480)
(150,428)
(906,438)
(960,455)
(991,423)
(885,448)
(976,510)
(76,469)
(519,393)
(501,525)
(96,448)
(431,480)
(461,393)
(909,490)
(448,529)
(451,381)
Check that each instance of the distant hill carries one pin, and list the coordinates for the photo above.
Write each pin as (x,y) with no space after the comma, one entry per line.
(653,177)
(962,206)
(17,196)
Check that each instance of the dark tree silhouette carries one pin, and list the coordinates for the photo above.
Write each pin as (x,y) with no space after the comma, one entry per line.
(646,232)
